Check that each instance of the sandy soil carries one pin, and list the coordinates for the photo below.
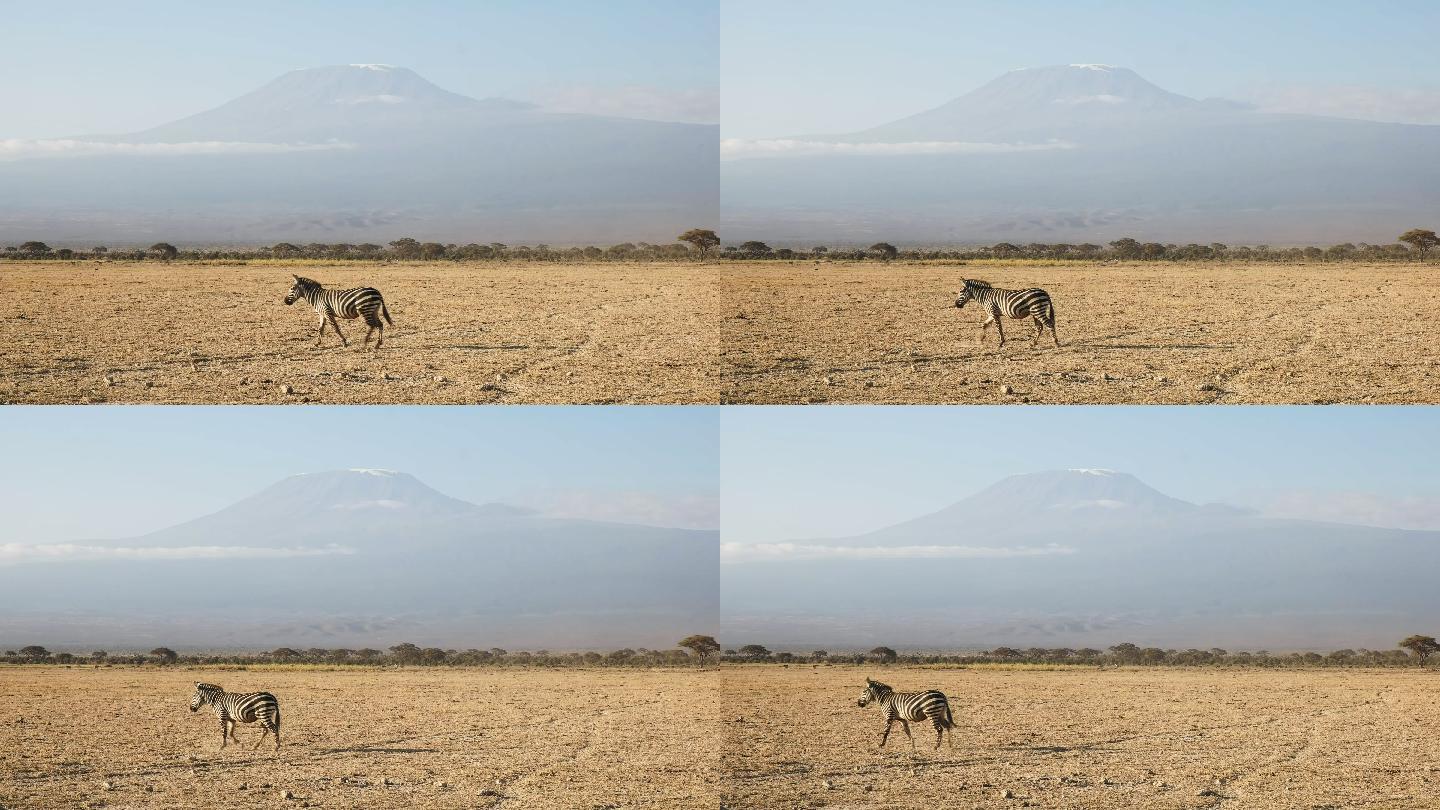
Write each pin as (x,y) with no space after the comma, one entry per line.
(463,334)
(477,738)
(1074,738)
(1144,333)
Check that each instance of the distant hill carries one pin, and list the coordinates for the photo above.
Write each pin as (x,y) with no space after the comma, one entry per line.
(1079,153)
(362,557)
(1087,557)
(356,153)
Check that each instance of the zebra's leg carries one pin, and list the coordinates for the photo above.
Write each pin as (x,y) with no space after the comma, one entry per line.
(369,330)
(939,732)
(336,325)
(889,724)
(999,330)
(1039,329)
(1054,336)
(234,728)
(277,736)
(985,329)
(321,337)
(263,734)
(905,724)
(224,732)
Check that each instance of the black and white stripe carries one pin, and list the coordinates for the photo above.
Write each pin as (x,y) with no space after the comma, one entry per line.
(359,302)
(997,303)
(232,709)
(908,707)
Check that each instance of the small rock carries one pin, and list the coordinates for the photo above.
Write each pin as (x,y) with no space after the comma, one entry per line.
(1209,387)
(1007,794)
(285,794)
(110,380)
(109,785)
(440,378)
(149,384)
(489,792)
(243,786)
(1208,792)
(828,785)
(285,389)
(499,378)
(829,380)
(1006,390)
(1162,379)
(387,781)
(1109,378)
(444,785)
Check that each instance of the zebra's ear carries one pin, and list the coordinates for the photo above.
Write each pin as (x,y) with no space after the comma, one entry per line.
(292,275)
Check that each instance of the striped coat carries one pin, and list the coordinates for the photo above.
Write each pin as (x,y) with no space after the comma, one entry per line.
(996,303)
(235,708)
(358,302)
(910,707)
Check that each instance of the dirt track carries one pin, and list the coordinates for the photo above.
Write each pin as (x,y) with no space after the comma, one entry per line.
(207,334)
(443,738)
(1084,738)
(1142,333)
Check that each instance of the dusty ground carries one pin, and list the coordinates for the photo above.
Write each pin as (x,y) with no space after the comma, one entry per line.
(1143,333)
(1076,738)
(463,334)
(477,738)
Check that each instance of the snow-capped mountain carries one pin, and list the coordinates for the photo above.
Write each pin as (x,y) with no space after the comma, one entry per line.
(1087,153)
(382,554)
(1073,557)
(367,153)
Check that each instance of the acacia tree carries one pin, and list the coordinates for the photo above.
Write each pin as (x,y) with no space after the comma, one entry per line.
(164,251)
(703,647)
(1419,239)
(884,655)
(884,250)
(164,655)
(702,239)
(1422,647)
(755,249)
(755,652)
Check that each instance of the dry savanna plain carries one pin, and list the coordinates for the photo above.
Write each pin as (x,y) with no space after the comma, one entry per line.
(87,737)
(220,334)
(798,332)
(1076,738)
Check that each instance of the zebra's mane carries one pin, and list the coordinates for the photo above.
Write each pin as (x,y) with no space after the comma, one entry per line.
(207,687)
(880,689)
(307,282)
(977,282)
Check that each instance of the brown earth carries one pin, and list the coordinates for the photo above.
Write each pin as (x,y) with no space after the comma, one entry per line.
(606,738)
(203,334)
(1129,333)
(1087,738)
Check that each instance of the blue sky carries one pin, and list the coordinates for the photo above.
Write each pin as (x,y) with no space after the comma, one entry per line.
(800,473)
(821,66)
(99,67)
(77,473)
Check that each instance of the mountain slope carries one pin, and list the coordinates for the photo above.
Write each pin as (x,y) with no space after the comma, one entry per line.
(372,153)
(1109,559)
(1105,154)
(369,549)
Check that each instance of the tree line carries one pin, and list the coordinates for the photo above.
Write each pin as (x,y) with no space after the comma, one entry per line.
(1417,244)
(1416,650)
(689,651)
(1414,245)
(693,244)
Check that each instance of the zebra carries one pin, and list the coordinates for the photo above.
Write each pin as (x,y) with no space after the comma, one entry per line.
(359,302)
(234,707)
(906,707)
(1033,303)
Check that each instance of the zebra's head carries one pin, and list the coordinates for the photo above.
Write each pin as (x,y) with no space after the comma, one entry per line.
(204,693)
(967,292)
(874,690)
(297,290)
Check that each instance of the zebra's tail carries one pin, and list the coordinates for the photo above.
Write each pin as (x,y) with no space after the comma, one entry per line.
(949,718)
(385,312)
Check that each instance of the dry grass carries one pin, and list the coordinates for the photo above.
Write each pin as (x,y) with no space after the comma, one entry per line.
(1141,333)
(444,738)
(204,333)
(1165,738)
